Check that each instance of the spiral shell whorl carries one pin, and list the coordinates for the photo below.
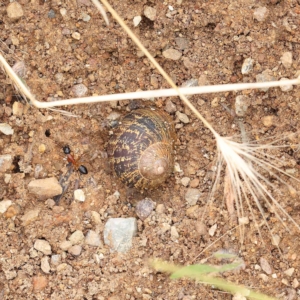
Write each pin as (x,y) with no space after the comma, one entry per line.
(141,150)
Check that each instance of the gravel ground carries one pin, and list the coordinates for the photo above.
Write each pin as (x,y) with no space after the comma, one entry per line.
(50,251)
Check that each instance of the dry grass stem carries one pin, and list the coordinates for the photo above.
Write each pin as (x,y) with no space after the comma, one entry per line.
(141,94)
(102,11)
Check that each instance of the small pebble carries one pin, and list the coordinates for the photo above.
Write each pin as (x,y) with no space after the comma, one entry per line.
(51,14)
(30,216)
(247,66)
(12,211)
(45,188)
(243,220)
(185,181)
(79,195)
(5,128)
(92,239)
(113,116)
(85,17)
(160,208)
(95,217)
(144,208)
(201,228)
(189,64)
(295,283)
(75,250)
(182,117)
(118,233)
(289,272)
(265,266)
(55,259)
(39,283)
(43,246)
(194,183)
(170,107)
(5,162)
(19,67)
(45,264)
(257,267)
(215,102)
(172,54)
(58,209)
(76,237)
(137,20)
(65,245)
(59,78)
(42,148)
(192,196)
(285,282)
(287,59)
(154,81)
(190,83)
(286,88)
(79,90)
(182,43)
(177,168)
(150,13)
(9,275)
(242,103)
(275,240)
(62,267)
(192,212)
(268,121)
(76,35)
(65,31)
(202,80)
(212,230)
(18,109)
(7,178)
(174,233)
(265,76)
(4,205)
(15,10)
(63,12)
(33,253)
(260,14)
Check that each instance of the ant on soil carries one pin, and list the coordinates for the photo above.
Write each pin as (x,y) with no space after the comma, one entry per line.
(70,158)
(64,179)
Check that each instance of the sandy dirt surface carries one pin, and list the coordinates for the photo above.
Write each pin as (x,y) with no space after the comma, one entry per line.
(66,43)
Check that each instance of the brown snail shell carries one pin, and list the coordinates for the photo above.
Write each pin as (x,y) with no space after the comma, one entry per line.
(141,150)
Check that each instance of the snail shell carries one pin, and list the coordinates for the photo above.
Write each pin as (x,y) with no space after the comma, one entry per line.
(141,150)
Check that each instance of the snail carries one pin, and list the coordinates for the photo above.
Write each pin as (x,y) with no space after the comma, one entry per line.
(141,150)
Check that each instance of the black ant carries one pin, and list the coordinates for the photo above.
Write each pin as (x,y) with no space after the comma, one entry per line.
(70,158)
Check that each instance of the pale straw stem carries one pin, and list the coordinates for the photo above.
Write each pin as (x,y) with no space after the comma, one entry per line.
(143,94)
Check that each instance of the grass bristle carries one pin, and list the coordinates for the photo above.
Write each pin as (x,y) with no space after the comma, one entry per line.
(248,167)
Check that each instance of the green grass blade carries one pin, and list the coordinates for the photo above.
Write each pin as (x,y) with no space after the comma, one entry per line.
(198,273)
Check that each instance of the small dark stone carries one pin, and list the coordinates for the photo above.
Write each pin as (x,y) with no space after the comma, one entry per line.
(144,208)
(51,14)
